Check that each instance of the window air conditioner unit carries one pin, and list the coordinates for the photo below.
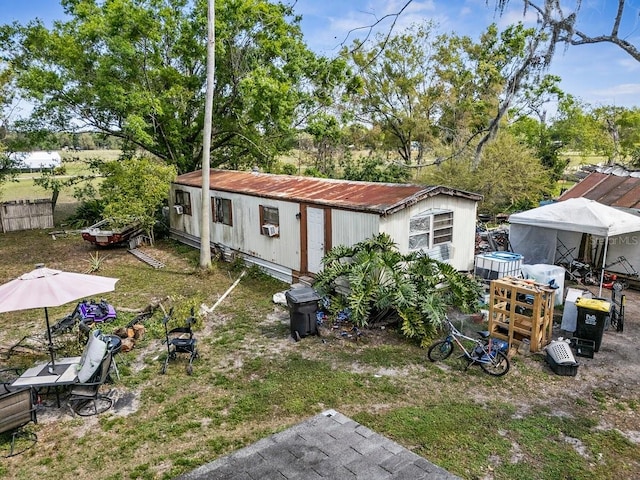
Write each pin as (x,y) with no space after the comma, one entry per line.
(270,230)
(178,208)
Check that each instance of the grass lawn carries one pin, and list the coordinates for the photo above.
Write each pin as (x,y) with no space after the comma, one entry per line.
(23,188)
(252,380)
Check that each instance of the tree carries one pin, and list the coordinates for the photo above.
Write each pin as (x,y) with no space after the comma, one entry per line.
(400,92)
(135,189)
(7,165)
(509,176)
(542,139)
(628,127)
(326,132)
(374,169)
(446,90)
(135,69)
(560,26)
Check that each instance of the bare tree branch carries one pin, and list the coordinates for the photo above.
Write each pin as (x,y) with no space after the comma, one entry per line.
(552,19)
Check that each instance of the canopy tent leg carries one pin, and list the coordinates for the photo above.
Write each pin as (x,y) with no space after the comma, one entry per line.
(604,262)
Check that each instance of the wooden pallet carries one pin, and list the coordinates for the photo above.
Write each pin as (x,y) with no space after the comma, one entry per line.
(519,310)
(146,258)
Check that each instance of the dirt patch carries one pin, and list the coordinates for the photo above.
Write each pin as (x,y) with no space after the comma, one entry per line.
(610,380)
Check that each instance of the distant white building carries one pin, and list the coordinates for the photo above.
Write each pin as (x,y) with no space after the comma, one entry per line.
(36,160)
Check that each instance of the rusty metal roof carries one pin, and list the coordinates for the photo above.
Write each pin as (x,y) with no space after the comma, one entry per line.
(612,190)
(381,198)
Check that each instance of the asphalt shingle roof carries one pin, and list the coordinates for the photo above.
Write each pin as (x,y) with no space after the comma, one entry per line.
(327,446)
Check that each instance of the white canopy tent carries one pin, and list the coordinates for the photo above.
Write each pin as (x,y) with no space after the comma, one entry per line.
(534,233)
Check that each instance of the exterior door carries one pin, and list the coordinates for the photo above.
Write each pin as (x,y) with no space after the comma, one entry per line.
(315,239)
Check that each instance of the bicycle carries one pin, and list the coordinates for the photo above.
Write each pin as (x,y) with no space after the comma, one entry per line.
(484,352)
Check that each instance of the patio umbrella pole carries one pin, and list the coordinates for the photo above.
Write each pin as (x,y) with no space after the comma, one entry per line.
(52,367)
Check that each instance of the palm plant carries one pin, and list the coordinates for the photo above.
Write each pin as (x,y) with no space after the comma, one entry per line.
(374,280)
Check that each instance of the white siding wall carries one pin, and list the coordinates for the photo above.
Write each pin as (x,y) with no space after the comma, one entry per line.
(349,228)
(464,227)
(244,236)
(189,224)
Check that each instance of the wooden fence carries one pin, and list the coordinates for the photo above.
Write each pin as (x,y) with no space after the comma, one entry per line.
(26,215)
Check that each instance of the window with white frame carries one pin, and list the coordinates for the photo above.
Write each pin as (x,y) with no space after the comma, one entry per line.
(430,228)
(221,210)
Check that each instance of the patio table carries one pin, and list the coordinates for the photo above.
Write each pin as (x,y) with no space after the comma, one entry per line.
(65,372)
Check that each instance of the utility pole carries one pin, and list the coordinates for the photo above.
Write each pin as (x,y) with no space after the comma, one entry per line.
(205,236)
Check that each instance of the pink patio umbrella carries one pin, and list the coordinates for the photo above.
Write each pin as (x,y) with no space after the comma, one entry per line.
(44,287)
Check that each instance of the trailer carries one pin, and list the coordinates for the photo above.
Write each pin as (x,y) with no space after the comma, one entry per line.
(107,232)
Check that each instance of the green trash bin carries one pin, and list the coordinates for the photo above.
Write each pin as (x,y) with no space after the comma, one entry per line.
(303,309)
(593,314)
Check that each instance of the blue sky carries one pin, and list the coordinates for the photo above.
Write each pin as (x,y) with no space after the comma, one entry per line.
(597,74)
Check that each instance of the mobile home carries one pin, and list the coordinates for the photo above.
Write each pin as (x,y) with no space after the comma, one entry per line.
(285,224)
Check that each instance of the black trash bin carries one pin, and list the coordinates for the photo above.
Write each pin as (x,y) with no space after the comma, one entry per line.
(303,309)
(593,314)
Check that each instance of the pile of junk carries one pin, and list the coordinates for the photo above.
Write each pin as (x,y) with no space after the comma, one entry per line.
(86,314)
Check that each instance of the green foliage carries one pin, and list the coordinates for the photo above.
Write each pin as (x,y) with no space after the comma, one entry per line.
(398,91)
(374,169)
(289,169)
(136,70)
(374,280)
(326,133)
(7,166)
(579,130)
(95,261)
(442,92)
(509,176)
(541,139)
(135,189)
(313,172)
(87,213)
(635,158)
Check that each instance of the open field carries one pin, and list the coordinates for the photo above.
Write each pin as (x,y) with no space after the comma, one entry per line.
(252,380)
(73,162)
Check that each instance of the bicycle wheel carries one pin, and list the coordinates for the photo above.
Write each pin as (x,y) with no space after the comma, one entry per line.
(499,365)
(440,350)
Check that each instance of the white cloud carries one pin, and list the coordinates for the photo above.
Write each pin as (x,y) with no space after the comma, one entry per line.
(629,64)
(515,15)
(618,90)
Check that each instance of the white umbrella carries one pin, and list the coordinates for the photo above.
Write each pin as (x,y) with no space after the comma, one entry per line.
(44,287)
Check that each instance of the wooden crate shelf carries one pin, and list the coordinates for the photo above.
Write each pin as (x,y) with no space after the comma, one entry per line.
(521,309)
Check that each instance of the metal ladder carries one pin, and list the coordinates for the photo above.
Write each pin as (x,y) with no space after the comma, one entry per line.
(146,258)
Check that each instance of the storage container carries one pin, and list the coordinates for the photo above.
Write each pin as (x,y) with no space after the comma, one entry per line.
(566,369)
(584,347)
(560,358)
(303,306)
(543,273)
(570,311)
(494,265)
(593,315)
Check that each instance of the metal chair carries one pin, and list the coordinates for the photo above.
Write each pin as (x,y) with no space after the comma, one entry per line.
(85,399)
(564,255)
(7,377)
(17,409)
